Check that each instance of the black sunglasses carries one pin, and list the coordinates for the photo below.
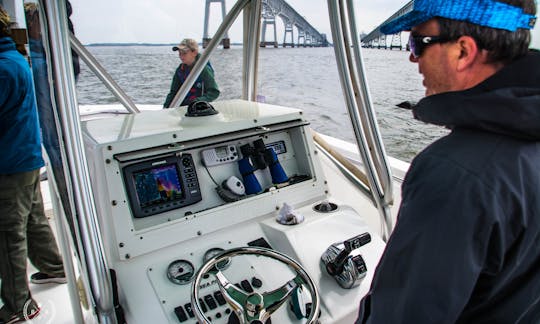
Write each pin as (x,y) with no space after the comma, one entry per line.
(418,43)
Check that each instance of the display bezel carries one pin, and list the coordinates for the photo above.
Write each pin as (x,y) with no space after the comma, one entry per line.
(183,165)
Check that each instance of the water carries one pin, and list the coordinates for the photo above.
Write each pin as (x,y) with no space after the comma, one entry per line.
(304,78)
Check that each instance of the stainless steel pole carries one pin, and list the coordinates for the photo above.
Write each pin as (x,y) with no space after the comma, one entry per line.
(356,93)
(102,74)
(97,269)
(252,26)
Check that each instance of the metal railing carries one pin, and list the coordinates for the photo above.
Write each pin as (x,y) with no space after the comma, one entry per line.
(94,258)
(102,74)
(359,106)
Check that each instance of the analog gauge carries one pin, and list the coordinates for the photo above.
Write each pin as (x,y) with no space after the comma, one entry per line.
(222,265)
(181,272)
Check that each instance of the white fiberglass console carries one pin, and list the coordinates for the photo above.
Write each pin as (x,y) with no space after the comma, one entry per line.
(174,191)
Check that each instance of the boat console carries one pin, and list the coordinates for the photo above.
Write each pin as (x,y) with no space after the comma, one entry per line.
(241,193)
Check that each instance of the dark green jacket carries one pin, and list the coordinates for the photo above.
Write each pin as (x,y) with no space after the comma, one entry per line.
(205,87)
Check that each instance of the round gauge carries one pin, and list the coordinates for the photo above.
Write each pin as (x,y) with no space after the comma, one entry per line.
(180,272)
(222,265)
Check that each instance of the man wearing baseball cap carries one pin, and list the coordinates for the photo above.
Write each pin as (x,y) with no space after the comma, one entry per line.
(466,246)
(205,87)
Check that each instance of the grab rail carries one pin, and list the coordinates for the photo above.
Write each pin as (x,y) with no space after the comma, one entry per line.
(356,93)
(351,171)
(252,30)
(102,74)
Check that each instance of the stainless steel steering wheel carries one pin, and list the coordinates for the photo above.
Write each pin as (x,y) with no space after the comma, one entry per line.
(254,307)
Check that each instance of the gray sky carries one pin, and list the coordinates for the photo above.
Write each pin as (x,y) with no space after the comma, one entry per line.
(168,21)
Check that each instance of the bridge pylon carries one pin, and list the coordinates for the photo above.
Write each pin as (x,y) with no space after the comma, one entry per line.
(288,31)
(309,41)
(396,41)
(301,38)
(382,42)
(226,42)
(268,21)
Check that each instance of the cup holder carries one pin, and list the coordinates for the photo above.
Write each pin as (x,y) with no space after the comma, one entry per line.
(325,207)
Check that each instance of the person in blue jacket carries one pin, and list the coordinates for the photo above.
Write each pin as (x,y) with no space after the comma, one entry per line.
(52,139)
(466,245)
(24,229)
(205,87)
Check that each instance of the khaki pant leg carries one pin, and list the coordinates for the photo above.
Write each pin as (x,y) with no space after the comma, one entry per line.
(16,197)
(42,248)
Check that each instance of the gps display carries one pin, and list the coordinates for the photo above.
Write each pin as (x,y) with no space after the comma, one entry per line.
(163,184)
(158,185)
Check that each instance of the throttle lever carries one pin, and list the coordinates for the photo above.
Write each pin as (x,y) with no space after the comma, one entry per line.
(335,267)
(346,267)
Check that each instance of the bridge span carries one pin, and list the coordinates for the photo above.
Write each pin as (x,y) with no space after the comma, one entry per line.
(376,39)
(306,36)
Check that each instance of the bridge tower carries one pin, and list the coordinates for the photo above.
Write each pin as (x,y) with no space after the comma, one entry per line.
(226,42)
(269,20)
(309,40)
(396,41)
(301,38)
(288,31)
(382,41)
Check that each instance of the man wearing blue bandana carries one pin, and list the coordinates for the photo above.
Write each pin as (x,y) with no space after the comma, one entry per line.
(466,246)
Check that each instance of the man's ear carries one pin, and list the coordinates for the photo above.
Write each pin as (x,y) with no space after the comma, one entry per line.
(468,54)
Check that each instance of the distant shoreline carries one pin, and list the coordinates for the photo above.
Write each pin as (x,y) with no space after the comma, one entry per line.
(139,44)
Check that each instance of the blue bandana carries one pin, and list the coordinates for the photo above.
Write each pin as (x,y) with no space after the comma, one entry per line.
(488,13)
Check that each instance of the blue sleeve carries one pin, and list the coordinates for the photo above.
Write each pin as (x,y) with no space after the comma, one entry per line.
(436,253)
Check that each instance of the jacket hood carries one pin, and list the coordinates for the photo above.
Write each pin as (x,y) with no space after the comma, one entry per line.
(507,103)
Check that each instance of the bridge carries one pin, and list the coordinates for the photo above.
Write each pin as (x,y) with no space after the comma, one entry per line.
(307,35)
(376,39)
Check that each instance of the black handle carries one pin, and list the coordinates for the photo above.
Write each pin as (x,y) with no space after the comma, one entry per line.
(335,267)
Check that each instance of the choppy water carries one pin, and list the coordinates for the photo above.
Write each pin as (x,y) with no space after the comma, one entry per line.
(304,78)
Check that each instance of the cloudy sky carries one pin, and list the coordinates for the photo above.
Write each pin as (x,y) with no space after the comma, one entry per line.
(168,21)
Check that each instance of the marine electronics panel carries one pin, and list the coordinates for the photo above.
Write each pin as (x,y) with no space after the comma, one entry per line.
(172,192)
(163,178)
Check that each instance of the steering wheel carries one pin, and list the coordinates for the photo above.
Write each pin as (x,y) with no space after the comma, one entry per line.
(254,307)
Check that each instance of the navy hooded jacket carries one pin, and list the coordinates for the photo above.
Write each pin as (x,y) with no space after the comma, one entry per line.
(466,246)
